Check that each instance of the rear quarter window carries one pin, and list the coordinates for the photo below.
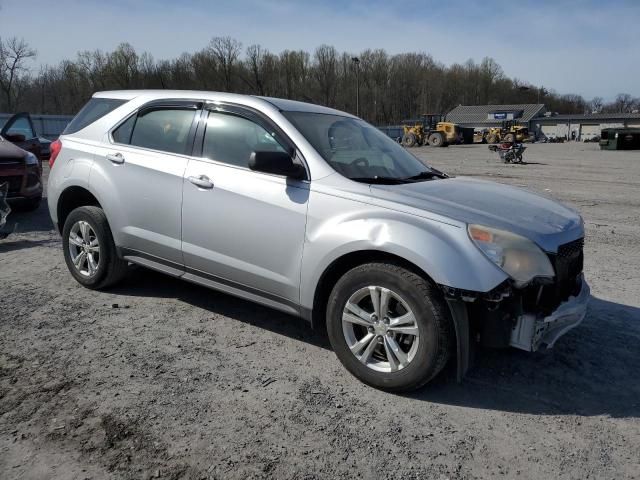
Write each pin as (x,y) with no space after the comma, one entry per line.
(94,109)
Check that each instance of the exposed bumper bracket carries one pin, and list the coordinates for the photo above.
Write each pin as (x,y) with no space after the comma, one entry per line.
(531,331)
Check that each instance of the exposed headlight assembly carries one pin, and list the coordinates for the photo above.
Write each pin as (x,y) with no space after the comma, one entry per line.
(519,257)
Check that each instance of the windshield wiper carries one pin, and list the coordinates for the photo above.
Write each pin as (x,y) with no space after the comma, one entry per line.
(381,180)
(427,175)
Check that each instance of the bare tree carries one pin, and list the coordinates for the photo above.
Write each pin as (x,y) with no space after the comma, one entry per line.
(596,104)
(14,53)
(623,103)
(391,87)
(326,58)
(226,51)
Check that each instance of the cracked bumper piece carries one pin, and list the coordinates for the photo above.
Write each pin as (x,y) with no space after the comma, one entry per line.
(531,331)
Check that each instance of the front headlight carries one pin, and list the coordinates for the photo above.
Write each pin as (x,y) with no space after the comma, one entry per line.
(519,257)
(32,160)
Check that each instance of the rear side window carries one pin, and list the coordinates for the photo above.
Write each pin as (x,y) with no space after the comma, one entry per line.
(122,134)
(165,129)
(95,109)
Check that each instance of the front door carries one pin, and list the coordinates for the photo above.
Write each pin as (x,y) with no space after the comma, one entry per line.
(242,228)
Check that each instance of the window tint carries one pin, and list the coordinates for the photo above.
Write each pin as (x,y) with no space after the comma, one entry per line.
(163,129)
(122,134)
(231,139)
(21,126)
(95,109)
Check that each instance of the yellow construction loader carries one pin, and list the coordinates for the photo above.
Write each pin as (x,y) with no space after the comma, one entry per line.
(508,132)
(430,130)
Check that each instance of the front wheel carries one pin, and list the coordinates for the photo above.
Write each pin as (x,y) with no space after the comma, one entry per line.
(389,326)
(436,139)
(409,140)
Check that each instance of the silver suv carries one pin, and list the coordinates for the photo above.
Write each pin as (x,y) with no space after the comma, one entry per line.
(316,213)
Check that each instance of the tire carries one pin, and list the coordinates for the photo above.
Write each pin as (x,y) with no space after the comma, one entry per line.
(509,138)
(425,355)
(409,140)
(436,140)
(109,268)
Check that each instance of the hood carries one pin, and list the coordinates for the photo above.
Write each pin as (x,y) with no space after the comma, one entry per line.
(540,219)
(9,150)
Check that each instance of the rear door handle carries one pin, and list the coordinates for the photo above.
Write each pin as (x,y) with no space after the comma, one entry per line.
(201,181)
(115,158)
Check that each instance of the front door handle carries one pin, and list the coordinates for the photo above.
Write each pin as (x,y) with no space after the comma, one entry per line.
(115,158)
(201,181)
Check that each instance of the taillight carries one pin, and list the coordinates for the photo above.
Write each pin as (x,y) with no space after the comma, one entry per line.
(55,148)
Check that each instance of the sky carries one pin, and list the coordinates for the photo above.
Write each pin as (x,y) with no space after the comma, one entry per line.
(587,47)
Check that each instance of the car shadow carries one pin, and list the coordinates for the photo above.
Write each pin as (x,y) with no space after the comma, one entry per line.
(593,369)
(142,282)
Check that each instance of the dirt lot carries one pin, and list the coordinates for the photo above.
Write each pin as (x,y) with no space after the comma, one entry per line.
(159,378)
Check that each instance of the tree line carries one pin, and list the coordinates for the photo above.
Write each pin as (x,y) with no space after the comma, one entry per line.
(391,87)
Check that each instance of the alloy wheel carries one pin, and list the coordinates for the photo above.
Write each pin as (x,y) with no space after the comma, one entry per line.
(380,329)
(84,248)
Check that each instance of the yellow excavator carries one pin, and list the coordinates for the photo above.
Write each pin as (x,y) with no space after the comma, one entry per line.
(431,130)
(509,132)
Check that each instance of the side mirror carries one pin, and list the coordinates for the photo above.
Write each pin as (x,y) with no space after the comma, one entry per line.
(15,137)
(276,163)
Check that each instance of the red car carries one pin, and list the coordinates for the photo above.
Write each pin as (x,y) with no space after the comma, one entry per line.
(21,162)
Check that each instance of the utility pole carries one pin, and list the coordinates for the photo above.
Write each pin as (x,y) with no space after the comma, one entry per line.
(356,62)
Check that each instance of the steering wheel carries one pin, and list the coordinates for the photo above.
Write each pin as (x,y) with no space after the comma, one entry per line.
(360,162)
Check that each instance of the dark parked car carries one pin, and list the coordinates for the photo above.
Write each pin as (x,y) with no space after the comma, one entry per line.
(19,130)
(20,162)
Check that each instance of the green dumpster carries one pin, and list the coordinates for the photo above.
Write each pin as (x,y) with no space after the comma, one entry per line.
(620,139)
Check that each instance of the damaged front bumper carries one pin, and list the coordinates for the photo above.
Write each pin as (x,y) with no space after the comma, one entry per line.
(531,331)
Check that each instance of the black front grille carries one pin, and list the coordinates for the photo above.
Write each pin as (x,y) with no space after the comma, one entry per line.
(568,264)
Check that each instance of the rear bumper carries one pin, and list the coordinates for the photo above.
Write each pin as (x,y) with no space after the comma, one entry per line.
(531,331)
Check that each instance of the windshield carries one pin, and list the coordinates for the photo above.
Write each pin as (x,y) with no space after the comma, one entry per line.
(358,150)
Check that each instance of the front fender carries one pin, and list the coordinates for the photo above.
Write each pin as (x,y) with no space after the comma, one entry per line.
(442,250)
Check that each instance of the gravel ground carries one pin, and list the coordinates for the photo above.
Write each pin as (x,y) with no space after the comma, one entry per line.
(163,379)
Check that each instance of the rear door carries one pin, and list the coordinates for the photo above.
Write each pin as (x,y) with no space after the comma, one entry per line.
(19,130)
(241,228)
(144,162)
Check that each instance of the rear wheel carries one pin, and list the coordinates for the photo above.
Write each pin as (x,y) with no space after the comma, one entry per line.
(389,327)
(89,250)
(509,138)
(436,139)
(409,140)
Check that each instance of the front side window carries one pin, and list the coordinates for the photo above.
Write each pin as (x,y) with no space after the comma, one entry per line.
(231,139)
(165,129)
(358,150)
